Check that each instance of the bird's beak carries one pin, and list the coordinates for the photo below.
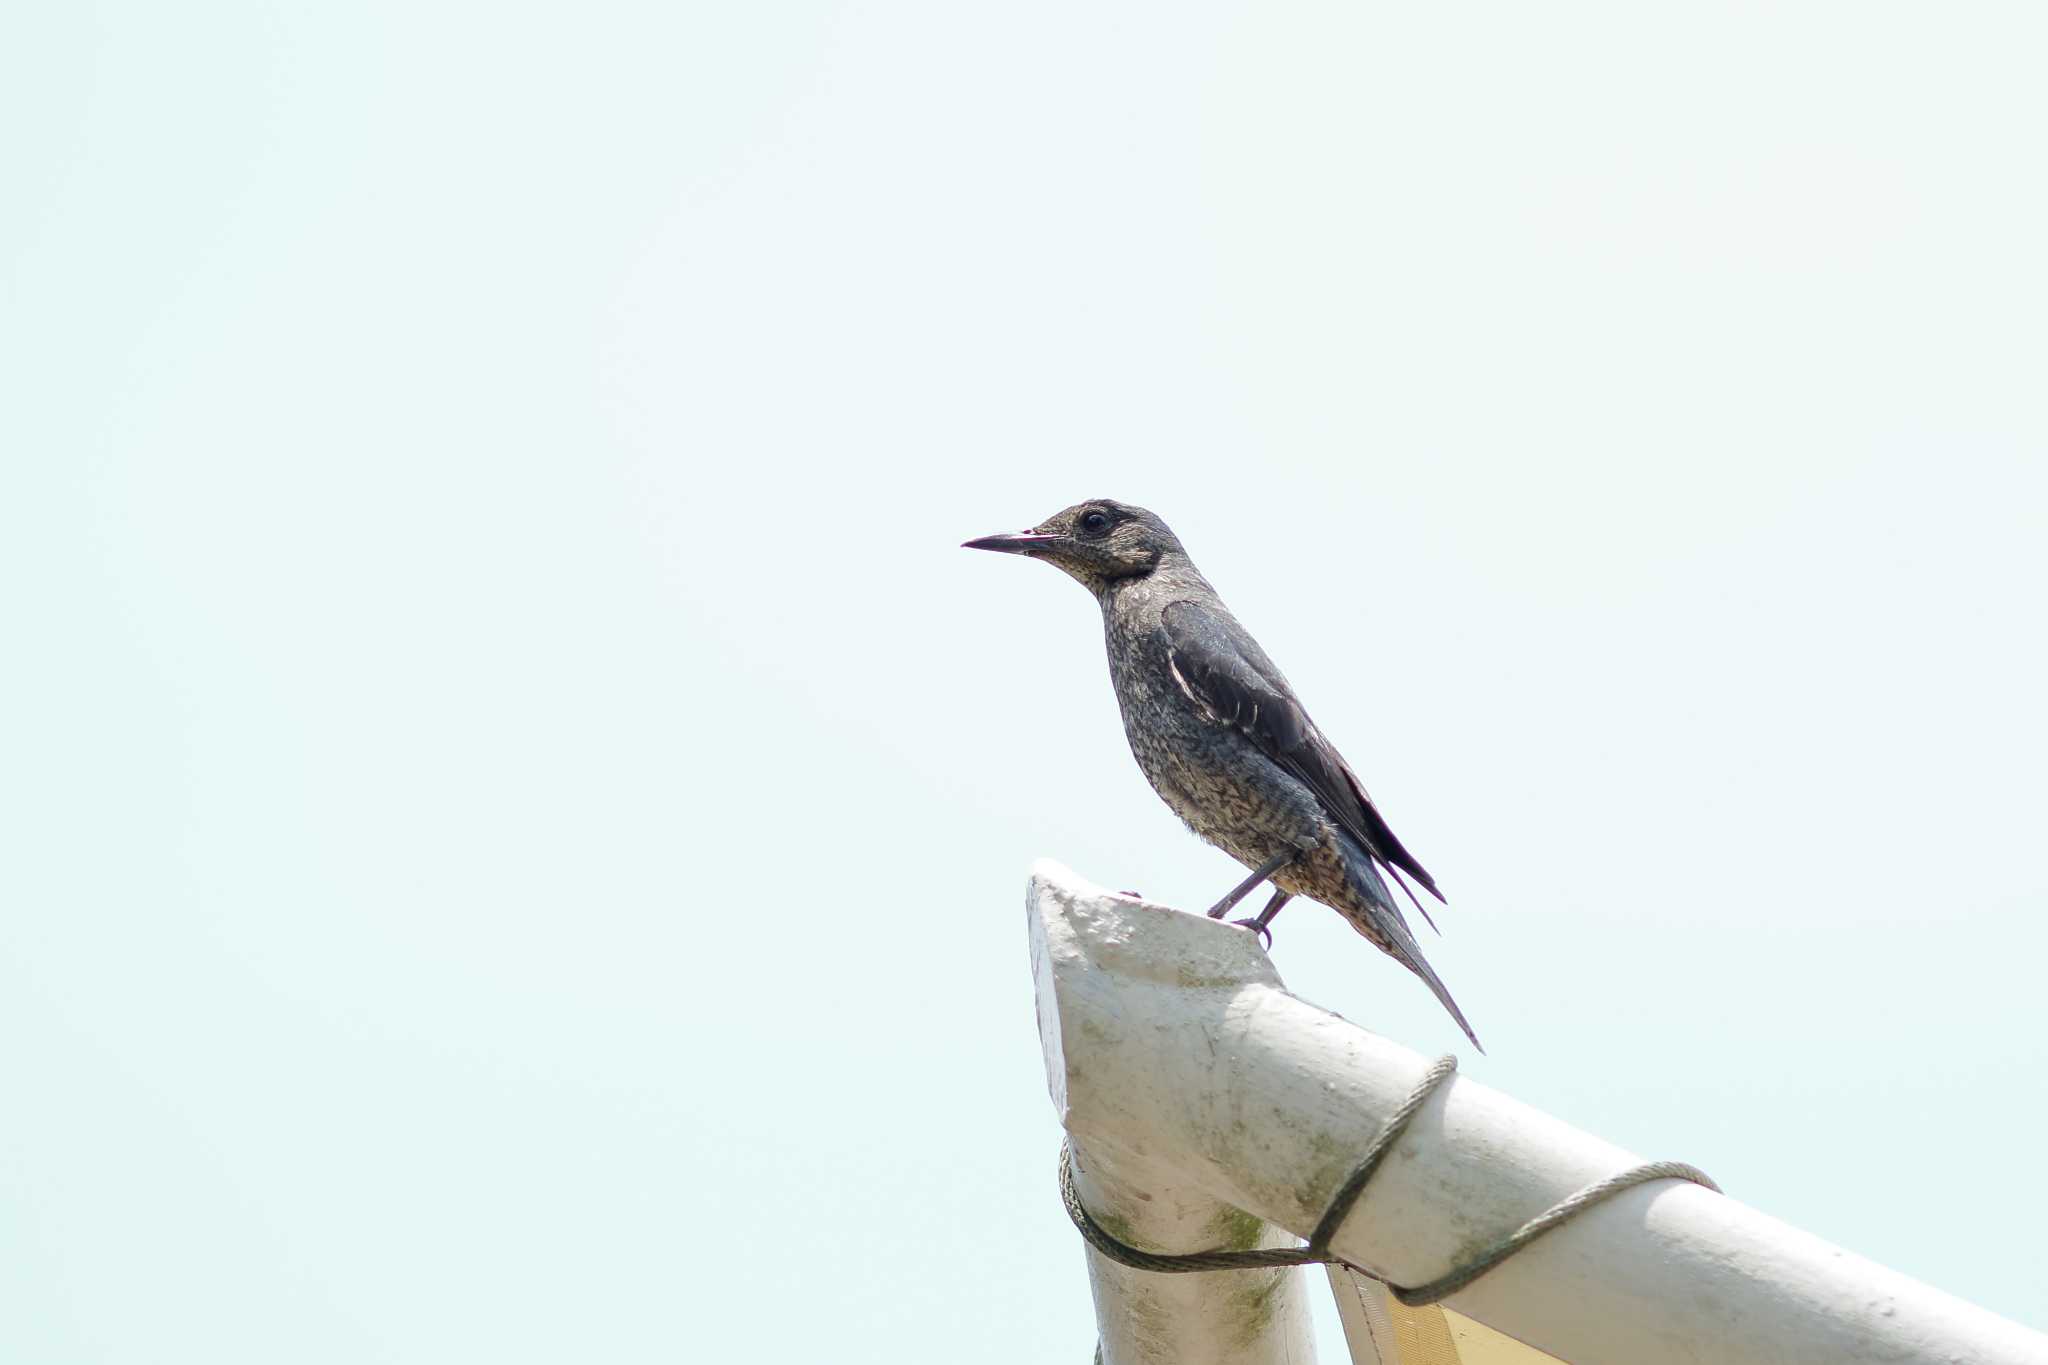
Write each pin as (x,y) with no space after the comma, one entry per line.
(1019,543)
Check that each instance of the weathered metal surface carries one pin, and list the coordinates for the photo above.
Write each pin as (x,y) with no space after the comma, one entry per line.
(1171,1045)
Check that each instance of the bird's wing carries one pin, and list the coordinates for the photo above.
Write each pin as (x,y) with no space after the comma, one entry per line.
(1223,671)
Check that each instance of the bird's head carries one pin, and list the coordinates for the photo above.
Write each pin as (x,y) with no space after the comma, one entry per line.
(1099,542)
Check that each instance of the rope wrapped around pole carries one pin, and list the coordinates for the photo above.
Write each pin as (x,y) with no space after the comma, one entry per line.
(1316,1251)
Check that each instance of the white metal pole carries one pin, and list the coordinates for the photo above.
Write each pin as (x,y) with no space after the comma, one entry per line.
(1169,1039)
(1246,1317)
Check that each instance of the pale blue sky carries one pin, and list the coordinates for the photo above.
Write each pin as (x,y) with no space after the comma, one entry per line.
(518,810)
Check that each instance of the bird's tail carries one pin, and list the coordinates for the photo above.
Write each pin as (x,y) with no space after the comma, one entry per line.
(1388,926)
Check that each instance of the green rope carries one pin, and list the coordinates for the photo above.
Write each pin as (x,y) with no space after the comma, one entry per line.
(1317,1249)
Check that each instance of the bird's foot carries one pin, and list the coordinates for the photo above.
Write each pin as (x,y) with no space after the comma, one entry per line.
(1257,926)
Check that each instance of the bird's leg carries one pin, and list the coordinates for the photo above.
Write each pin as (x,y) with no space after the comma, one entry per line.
(1245,887)
(1265,917)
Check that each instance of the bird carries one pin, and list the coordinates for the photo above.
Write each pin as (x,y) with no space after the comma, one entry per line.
(1222,737)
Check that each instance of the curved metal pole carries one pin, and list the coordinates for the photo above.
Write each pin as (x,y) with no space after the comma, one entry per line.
(1170,1035)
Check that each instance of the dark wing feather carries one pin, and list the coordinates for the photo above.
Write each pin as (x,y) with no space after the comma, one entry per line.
(1222,668)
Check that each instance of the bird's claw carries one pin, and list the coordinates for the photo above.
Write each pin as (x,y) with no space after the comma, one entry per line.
(1265,934)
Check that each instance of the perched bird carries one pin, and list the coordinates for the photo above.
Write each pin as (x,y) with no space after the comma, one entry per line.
(1221,736)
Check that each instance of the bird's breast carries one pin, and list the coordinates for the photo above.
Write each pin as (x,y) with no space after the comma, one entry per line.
(1212,777)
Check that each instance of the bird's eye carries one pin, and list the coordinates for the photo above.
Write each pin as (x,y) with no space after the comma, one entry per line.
(1095,523)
